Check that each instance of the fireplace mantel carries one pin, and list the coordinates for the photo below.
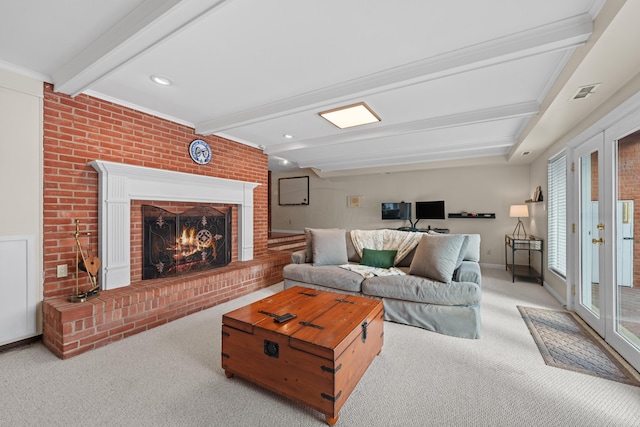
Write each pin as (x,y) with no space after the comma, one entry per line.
(120,183)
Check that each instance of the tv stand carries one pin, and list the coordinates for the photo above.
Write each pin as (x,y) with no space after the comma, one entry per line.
(413,226)
(424,230)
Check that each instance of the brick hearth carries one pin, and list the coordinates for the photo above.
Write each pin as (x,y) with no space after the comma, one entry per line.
(74,328)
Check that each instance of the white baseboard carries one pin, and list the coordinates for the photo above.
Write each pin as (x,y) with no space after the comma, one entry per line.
(492,265)
(555,294)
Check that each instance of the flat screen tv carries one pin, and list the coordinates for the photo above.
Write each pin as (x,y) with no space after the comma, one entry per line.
(430,210)
(401,210)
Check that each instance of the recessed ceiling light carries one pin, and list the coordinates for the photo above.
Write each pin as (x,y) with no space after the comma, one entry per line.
(287,136)
(163,81)
(350,115)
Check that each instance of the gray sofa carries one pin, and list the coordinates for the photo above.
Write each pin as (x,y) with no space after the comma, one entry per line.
(450,307)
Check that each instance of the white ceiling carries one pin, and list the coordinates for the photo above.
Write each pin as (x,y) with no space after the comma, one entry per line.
(451,81)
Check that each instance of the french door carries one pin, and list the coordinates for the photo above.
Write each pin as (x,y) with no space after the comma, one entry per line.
(606,170)
(592,276)
(625,325)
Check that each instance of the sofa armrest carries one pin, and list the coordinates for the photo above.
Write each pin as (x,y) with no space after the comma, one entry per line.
(468,271)
(299,257)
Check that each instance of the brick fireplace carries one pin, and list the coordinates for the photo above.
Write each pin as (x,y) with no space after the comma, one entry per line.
(79,130)
(121,183)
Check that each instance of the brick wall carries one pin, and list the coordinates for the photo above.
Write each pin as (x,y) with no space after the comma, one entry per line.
(78,130)
(82,129)
(629,189)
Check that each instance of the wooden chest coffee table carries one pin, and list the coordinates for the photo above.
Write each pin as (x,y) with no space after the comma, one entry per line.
(316,358)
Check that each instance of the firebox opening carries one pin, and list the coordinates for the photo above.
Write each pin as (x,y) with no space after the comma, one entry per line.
(195,240)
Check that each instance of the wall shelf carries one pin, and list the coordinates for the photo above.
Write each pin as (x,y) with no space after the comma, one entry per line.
(473,215)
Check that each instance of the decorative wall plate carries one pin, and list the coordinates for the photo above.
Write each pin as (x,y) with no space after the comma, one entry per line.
(200,152)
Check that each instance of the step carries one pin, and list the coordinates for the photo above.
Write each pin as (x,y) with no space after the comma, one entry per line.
(288,246)
(286,242)
(285,237)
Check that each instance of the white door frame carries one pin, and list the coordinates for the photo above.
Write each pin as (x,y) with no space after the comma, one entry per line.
(596,321)
(624,127)
(619,123)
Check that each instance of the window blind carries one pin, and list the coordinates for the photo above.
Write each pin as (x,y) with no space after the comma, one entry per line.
(557,215)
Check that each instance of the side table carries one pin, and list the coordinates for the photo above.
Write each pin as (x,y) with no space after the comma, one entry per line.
(529,244)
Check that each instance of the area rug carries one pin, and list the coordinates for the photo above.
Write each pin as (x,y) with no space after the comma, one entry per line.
(566,342)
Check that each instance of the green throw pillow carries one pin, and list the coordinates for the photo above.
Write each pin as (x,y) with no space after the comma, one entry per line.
(378,258)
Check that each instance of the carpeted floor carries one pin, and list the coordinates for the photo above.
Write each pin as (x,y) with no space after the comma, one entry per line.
(566,342)
(172,376)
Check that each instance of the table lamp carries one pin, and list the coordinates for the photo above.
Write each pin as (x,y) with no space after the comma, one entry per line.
(519,211)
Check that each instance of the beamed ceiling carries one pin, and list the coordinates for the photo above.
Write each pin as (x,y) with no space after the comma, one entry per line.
(454,82)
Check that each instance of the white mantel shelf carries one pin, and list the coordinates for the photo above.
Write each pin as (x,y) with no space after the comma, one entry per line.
(120,183)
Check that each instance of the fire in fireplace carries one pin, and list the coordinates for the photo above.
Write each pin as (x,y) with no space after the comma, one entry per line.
(195,240)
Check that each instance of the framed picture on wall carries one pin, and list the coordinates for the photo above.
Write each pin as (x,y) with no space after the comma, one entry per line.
(354,201)
(293,191)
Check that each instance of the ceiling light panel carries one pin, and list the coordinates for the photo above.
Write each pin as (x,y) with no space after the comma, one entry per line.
(350,115)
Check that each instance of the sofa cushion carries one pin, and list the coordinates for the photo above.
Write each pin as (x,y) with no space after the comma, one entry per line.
(309,241)
(472,252)
(406,261)
(463,251)
(352,254)
(382,258)
(329,246)
(330,276)
(351,251)
(422,290)
(436,256)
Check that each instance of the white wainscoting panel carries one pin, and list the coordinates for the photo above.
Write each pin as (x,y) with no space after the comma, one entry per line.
(18,287)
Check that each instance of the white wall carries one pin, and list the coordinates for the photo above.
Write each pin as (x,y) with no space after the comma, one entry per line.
(489,189)
(21,265)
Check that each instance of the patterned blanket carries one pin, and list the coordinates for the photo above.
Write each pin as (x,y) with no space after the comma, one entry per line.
(401,241)
(366,271)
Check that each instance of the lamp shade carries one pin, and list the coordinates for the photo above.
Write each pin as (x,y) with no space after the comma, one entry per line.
(519,211)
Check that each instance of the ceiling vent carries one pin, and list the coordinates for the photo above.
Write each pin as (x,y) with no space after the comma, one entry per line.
(585,91)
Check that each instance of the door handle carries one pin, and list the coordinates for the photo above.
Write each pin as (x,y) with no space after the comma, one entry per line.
(595,241)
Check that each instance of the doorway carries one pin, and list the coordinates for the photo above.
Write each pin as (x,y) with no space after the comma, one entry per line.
(606,174)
